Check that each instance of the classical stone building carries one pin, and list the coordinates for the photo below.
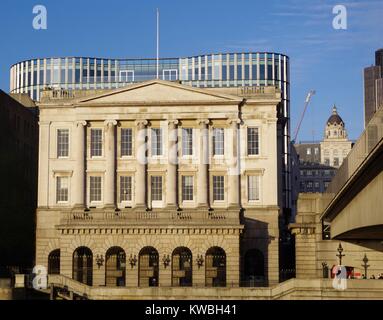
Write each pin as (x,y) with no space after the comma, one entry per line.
(335,145)
(159,184)
(318,161)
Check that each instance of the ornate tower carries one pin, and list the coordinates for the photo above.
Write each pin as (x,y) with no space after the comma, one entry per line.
(335,146)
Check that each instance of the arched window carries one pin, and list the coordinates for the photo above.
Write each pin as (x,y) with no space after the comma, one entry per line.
(254,265)
(54,262)
(148,267)
(215,264)
(182,262)
(115,266)
(83,265)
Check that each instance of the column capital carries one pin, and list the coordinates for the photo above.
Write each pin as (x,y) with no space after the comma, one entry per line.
(81,123)
(110,122)
(233,122)
(173,122)
(203,122)
(141,123)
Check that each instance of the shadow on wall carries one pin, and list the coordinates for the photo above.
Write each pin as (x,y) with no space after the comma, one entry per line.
(255,253)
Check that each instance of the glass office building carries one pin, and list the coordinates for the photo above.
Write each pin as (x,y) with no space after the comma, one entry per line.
(205,71)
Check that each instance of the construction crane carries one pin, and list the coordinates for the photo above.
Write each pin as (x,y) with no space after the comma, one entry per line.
(308,98)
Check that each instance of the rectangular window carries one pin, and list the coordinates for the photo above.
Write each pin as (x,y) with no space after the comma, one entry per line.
(62,143)
(156,139)
(187,188)
(62,189)
(126,142)
(95,189)
(308,151)
(156,187)
(218,188)
(96,142)
(126,188)
(187,141)
(336,162)
(252,141)
(218,141)
(170,74)
(253,188)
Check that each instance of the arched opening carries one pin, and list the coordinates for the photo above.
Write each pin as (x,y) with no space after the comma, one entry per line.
(115,266)
(83,265)
(254,266)
(54,262)
(148,267)
(215,267)
(182,272)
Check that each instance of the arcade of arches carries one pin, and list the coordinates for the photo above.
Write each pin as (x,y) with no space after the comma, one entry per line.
(148,262)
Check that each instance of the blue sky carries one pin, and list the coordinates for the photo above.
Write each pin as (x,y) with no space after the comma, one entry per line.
(322,58)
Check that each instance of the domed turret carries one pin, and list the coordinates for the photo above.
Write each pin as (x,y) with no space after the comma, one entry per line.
(335,146)
(335,118)
(335,128)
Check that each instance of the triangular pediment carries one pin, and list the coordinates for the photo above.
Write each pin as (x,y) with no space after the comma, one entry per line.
(158,91)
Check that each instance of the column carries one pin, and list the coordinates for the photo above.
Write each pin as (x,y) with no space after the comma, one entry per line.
(203,165)
(110,163)
(79,170)
(43,181)
(171,182)
(233,179)
(141,160)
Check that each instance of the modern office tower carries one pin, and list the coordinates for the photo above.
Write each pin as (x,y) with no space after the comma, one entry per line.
(18,192)
(373,87)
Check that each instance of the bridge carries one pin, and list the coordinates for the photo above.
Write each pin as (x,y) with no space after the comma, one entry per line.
(355,207)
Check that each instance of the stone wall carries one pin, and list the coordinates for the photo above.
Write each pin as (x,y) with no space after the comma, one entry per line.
(312,250)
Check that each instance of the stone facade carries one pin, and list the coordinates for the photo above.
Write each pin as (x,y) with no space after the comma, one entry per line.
(313,247)
(335,145)
(226,228)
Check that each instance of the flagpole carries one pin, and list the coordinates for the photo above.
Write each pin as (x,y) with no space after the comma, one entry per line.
(158,42)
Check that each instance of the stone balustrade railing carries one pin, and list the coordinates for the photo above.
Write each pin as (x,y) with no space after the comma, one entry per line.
(132,216)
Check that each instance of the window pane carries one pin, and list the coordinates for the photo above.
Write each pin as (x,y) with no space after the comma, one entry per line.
(156,141)
(218,141)
(62,189)
(187,188)
(252,141)
(96,142)
(187,141)
(95,189)
(126,188)
(218,188)
(253,188)
(126,142)
(156,187)
(62,143)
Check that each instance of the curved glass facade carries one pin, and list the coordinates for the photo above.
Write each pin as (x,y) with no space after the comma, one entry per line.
(211,70)
(214,70)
